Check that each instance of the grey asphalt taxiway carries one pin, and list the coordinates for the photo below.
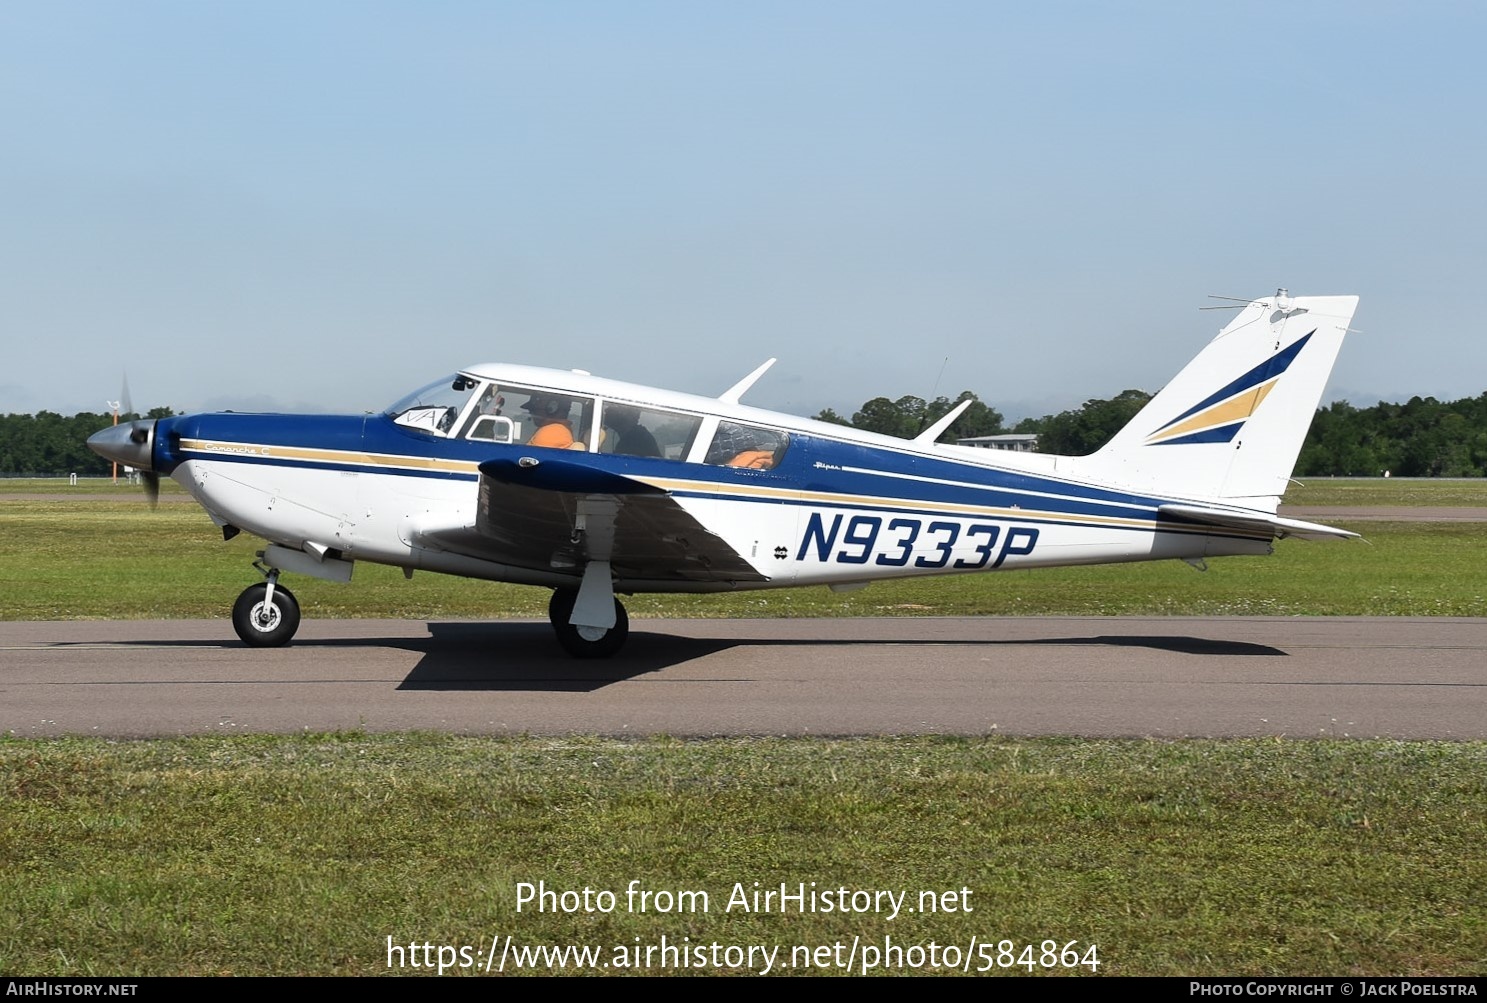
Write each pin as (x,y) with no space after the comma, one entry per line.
(1128,676)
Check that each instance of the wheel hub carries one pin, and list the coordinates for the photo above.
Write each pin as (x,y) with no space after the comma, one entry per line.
(265,617)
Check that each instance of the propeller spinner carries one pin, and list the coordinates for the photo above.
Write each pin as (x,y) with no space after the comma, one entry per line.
(132,444)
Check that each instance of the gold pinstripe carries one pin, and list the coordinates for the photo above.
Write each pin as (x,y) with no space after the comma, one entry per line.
(312,455)
(398,461)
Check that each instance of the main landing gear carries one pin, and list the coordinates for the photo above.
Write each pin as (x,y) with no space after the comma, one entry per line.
(266,615)
(586,642)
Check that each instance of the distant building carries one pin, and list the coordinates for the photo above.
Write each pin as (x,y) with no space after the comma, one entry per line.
(1022,443)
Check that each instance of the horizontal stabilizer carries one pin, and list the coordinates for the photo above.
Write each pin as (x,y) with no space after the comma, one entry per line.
(1273,524)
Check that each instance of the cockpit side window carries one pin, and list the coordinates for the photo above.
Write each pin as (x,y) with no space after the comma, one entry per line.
(749,446)
(630,430)
(531,416)
(488,422)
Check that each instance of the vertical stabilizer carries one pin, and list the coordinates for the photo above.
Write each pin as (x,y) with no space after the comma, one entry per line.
(1231,424)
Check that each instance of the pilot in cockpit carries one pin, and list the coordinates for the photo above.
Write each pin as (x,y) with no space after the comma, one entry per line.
(550,413)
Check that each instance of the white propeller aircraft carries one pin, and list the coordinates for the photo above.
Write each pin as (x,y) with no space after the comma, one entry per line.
(592,487)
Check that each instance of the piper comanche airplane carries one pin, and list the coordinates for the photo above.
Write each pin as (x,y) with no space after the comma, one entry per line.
(592,487)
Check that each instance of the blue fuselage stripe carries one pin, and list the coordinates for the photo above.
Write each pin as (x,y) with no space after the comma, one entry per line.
(854,474)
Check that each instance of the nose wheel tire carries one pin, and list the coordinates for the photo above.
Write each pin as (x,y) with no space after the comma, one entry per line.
(265,625)
(586,642)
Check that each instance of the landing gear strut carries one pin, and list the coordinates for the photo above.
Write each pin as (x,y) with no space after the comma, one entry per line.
(586,642)
(266,615)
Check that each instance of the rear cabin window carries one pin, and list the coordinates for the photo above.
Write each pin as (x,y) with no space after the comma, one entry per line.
(640,431)
(749,446)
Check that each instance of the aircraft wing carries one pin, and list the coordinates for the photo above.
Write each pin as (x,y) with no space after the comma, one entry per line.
(556,515)
(1272,524)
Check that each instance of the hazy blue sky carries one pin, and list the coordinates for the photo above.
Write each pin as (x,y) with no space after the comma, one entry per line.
(325,204)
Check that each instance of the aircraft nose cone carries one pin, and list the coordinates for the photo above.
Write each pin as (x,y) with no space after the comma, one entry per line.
(130,444)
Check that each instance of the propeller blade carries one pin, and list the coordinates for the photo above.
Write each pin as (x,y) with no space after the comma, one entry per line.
(151,481)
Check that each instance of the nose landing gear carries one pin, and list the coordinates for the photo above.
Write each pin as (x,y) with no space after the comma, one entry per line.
(266,615)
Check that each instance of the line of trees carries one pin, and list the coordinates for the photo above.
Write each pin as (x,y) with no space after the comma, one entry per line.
(48,444)
(909,416)
(1423,437)
(1074,433)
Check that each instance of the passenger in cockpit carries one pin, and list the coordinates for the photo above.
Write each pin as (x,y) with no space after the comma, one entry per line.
(634,438)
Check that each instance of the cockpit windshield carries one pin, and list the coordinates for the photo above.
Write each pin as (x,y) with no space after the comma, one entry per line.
(436,407)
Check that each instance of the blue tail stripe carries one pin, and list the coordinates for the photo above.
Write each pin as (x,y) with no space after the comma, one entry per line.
(1270,368)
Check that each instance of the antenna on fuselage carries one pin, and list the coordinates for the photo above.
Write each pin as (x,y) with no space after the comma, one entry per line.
(944,422)
(733,393)
(938,377)
(929,435)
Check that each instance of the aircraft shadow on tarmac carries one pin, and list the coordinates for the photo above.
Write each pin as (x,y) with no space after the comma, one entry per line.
(522,657)
(497,656)
(505,656)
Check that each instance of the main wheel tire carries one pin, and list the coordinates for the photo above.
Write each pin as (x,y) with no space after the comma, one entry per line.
(560,606)
(263,625)
(588,642)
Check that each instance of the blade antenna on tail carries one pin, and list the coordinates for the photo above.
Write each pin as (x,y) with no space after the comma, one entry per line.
(1237,303)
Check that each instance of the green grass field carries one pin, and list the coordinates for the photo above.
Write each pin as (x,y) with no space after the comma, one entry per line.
(104,559)
(116,558)
(268,855)
(274,855)
(1369,491)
